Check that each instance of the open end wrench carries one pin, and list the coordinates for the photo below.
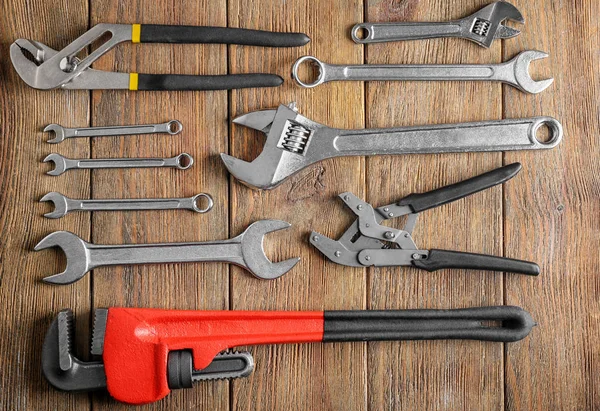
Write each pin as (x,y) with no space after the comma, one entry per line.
(64,204)
(172,127)
(246,250)
(514,72)
(61,164)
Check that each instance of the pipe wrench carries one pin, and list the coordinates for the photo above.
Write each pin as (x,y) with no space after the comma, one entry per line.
(142,354)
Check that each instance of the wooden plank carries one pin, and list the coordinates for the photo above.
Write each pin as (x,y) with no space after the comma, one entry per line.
(304,376)
(204,117)
(442,374)
(27,306)
(555,215)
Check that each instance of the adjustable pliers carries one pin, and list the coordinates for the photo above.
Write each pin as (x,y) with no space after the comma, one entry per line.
(145,353)
(368,243)
(45,68)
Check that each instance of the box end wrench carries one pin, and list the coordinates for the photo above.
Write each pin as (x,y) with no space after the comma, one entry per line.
(61,133)
(482,27)
(246,250)
(61,164)
(514,72)
(63,204)
(295,142)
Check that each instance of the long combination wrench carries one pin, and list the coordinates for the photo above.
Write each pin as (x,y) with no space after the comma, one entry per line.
(63,204)
(61,133)
(514,72)
(61,164)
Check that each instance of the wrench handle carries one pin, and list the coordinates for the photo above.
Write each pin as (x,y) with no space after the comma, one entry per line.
(386,32)
(144,204)
(462,324)
(156,33)
(171,127)
(501,135)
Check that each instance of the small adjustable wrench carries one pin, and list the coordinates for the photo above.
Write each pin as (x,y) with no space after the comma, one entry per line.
(514,72)
(172,127)
(61,164)
(64,204)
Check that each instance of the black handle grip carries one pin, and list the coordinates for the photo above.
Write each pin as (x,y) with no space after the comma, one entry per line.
(448,194)
(440,259)
(225,82)
(513,324)
(156,33)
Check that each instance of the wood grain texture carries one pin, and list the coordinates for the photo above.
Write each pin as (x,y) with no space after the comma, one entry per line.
(549,213)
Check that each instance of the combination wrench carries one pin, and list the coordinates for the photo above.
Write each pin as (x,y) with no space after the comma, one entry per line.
(245,250)
(61,133)
(63,204)
(514,72)
(61,164)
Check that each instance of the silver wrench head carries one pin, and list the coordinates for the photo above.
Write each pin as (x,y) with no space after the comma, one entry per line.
(60,164)
(253,252)
(285,151)
(76,251)
(59,133)
(60,204)
(486,25)
(524,82)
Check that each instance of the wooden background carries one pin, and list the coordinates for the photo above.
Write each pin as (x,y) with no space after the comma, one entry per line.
(550,213)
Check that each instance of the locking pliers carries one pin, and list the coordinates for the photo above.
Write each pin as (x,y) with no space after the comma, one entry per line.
(45,68)
(145,353)
(368,243)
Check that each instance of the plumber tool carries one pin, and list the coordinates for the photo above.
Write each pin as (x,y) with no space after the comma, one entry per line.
(145,353)
(44,68)
(245,250)
(64,204)
(295,142)
(514,72)
(482,27)
(368,243)
(172,127)
(61,164)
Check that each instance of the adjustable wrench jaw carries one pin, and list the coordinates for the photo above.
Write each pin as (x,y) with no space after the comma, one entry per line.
(487,25)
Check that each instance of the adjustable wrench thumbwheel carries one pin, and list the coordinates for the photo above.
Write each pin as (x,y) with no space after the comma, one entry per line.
(246,250)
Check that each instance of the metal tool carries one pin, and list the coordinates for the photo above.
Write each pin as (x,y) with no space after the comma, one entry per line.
(482,27)
(514,72)
(368,243)
(295,142)
(161,350)
(64,204)
(245,250)
(61,164)
(172,127)
(44,68)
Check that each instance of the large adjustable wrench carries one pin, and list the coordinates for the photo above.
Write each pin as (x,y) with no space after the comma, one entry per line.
(295,142)
(245,250)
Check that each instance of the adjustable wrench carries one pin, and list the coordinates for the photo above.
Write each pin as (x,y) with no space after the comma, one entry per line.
(172,127)
(64,204)
(245,250)
(514,72)
(61,164)
(295,142)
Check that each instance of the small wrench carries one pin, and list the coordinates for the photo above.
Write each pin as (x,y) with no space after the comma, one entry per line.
(61,164)
(245,250)
(64,204)
(172,127)
(514,72)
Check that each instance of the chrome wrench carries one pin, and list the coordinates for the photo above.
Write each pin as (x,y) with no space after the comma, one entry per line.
(514,72)
(63,204)
(172,127)
(61,164)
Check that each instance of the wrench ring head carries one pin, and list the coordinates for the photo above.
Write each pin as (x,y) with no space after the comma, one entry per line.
(60,204)
(356,29)
(315,62)
(60,164)
(76,251)
(184,161)
(555,128)
(209,205)
(59,133)
(174,127)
